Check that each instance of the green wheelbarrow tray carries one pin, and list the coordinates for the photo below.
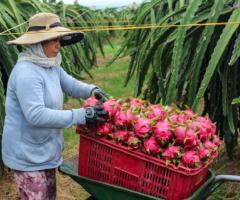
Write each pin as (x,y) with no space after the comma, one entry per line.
(103,191)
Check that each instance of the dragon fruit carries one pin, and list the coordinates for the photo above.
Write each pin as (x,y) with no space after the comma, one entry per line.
(178,118)
(162,132)
(174,118)
(171,153)
(157,112)
(120,118)
(121,136)
(216,140)
(191,159)
(182,118)
(207,128)
(204,134)
(133,142)
(204,154)
(210,146)
(131,118)
(180,134)
(136,102)
(105,129)
(142,127)
(111,107)
(176,136)
(151,146)
(124,118)
(191,139)
(195,126)
(91,101)
(189,113)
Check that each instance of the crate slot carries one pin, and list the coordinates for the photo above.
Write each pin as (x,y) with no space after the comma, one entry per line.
(123,178)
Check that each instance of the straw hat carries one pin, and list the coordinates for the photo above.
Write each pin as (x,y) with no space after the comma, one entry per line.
(47,26)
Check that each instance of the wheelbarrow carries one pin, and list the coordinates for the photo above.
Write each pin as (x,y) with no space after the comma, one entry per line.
(103,191)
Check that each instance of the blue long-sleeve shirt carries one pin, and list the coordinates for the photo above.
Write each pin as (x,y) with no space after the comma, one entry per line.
(32,137)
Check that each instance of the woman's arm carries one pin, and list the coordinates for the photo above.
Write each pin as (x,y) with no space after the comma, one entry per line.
(73,87)
(30,93)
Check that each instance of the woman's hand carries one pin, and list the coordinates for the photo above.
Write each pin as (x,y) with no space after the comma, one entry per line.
(95,114)
(99,94)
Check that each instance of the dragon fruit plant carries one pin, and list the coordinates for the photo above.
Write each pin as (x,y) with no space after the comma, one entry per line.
(178,137)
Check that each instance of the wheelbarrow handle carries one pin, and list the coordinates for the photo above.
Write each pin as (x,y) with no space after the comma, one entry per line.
(224,178)
(216,182)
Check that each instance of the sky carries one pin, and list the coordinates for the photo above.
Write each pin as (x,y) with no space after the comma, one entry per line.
(104,3)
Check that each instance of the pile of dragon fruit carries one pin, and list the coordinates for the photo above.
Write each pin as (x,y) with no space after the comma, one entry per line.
(179,137)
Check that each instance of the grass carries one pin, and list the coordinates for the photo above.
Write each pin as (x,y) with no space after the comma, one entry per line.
(111,79)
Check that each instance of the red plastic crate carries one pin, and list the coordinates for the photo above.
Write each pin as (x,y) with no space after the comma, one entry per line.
(106,161)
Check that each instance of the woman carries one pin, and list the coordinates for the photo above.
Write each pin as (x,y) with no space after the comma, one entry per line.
(32,139)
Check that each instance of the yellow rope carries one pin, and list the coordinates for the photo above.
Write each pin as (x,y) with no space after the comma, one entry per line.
(133,27)
(14,27)
(103,21)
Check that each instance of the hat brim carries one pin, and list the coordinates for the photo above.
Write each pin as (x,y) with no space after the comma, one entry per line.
(67,36)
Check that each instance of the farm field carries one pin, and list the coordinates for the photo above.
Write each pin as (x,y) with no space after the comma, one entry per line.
(181,55)
(113,84)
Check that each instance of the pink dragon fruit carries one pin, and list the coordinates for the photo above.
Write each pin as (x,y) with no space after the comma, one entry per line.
(131,133)
(204,154)
(105,129)
(180,134)
(204,134)
(195,126)
(189,113)
(191,139)
(121,136)
(151,146)
(216,140)
(171,153)
(152,128)
(162,131)
(210,146)
(207,128)
(111,107)
(142,127)
(174,118)
(131,118)
(157,112)
(191,159)
(182,118)
(178,118)
(120,118)
(91,101)
(133,142)
(136,102)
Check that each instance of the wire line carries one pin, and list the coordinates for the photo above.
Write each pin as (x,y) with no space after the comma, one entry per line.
(131,27)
